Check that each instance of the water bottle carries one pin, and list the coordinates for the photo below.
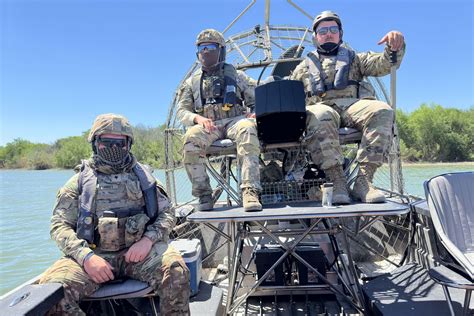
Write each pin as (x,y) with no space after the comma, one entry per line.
(327,189)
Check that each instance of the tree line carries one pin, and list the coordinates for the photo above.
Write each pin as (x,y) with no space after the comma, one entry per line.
(66,153)
(431,133)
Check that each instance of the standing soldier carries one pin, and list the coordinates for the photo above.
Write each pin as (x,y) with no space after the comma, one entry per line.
(336,95)
(112,219)
(212,104)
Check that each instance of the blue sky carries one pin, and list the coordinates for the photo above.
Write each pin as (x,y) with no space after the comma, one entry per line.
(64,62)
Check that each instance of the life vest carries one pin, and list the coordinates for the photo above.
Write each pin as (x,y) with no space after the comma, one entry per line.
(217,97)
(120,195)
(319,85)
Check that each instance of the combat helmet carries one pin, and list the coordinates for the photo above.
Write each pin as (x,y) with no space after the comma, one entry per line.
(110,123)
(210,36)
(326,16)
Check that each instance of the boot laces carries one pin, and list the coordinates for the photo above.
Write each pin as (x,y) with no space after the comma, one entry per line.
(251,193)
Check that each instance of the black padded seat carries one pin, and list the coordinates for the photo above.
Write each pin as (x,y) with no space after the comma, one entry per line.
(129,288)
(222,147)
(226,146)
(348,135)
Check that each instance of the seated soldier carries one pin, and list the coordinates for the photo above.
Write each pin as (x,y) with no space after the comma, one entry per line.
(332,76)
(212,103)
(112,219)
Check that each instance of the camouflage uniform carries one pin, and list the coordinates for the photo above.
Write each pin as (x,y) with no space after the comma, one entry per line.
(163,268)
(195,98)
(348,107)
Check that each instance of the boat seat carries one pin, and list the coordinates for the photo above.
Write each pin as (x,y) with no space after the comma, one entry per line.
(347,135)
(450,199)
(208,300)
(127,288)
(226,149)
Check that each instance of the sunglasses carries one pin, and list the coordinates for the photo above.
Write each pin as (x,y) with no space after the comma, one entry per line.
(208,47)
(111,142)
(325,29)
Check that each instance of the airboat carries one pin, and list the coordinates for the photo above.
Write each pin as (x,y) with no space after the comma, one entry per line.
(406,256)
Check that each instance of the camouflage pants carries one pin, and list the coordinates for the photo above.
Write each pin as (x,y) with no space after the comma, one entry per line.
(197,140)
(163,268)
(373,118)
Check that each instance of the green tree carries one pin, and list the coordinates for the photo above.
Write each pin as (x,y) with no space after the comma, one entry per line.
(40,157)
(70,151)
(14,153)
(149,145)
(434,133)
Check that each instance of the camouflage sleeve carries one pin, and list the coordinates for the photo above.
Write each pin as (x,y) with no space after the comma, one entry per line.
(377,64)
(165,221)
(185,100)
(301,73)
(247,86)
(64,221)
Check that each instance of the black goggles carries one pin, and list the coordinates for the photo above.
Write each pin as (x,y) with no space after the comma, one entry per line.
(111,142)
(208,47)
(325,29)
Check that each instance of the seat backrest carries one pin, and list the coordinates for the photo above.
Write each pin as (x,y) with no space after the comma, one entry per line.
(281,111)
(450,199)
(283,69)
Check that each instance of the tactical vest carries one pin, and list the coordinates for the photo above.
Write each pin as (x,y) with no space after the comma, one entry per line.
(321,84)
(117,197)
(216,97)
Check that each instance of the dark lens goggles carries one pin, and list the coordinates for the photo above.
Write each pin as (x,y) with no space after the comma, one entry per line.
(325,29)
(111,142)
(209,47)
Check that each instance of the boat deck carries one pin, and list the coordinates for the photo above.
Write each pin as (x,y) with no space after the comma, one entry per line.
(409,290)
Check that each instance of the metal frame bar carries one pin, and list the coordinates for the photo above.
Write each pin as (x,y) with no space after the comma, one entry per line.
(223,183)
(234,303)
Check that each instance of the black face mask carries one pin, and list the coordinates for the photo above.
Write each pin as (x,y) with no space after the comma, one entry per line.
(209,59)
(113,156)
(328,48)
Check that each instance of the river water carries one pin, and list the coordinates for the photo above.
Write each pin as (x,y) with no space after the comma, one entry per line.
(27,197)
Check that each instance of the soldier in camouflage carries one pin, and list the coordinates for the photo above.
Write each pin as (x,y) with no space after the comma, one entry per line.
(213,104)
(337,96)
(112,220)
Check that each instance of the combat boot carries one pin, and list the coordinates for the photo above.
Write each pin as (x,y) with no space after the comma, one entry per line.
(206,203)
(363,189)
(250,200)
(340,194)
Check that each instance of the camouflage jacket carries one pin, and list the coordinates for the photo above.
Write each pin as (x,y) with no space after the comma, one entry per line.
(363,65)
(66,213)
(187,92)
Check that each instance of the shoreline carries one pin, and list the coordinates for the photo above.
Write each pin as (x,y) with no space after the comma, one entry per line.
(404,164)
(422,164)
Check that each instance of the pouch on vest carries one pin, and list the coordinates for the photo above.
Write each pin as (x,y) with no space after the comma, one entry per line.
(230,97)
(112,233)
(134,228)
(85,227)
(212,88)
(366,91)
(209,112)
(134,192)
